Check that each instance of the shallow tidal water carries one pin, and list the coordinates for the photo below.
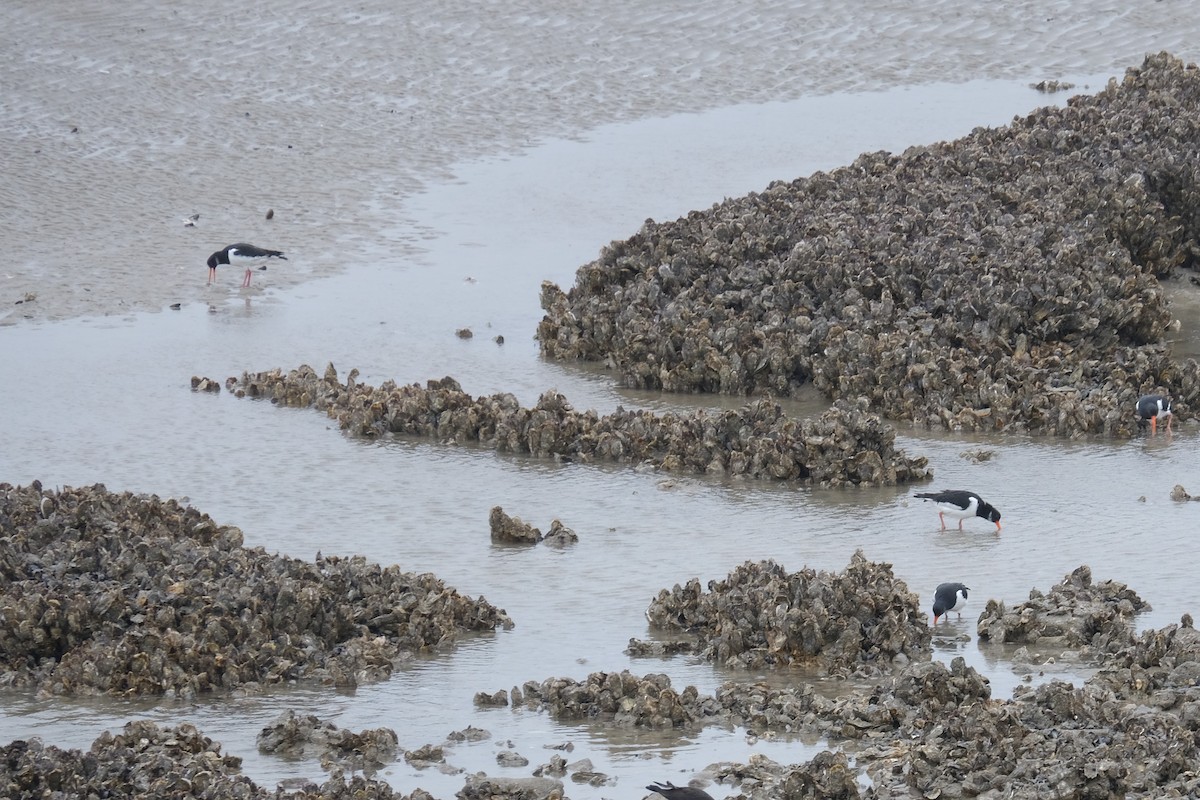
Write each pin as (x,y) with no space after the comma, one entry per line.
(107,400)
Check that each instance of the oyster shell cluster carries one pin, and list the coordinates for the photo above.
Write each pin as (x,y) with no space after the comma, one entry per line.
(929,729)
(143,760)
(762,615)
(296,735)
(124,594)
(926,729)
(932,730)
(622,698)
(511,530)
(1009,280)
(828,776)
(1075,613)
(507,529)
(147,760)
(846,445)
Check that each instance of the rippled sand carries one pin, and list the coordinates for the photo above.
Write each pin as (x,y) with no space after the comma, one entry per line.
(122,119)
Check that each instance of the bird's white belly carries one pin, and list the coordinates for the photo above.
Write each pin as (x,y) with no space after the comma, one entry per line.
(954,511)
(246,261)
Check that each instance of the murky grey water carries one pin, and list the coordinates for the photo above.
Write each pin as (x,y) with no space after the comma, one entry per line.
(107,400)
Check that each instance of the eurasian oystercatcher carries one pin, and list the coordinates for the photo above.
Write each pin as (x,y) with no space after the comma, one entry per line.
(949,597)
(961,504)
(673,792)
(241,253)
(1154,407)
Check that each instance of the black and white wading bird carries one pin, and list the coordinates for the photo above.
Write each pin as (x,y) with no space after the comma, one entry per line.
(673,792)
(1154,407)
(242,254)
(961,504)
(949,597)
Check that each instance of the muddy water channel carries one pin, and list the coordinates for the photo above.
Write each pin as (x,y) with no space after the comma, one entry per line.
(107,400)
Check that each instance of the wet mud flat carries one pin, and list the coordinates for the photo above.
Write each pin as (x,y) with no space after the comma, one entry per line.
(127,594)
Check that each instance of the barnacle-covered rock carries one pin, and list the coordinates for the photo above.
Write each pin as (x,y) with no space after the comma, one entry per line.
(761,615)
(123,594)
(1009,280)
(1075,613)
(846,445)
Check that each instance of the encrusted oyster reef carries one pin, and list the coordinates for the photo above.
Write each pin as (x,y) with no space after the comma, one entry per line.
(124,594)
(846,445)
(861,620)
(1009,280)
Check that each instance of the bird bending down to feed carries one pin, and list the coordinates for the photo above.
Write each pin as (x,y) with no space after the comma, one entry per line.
(961,504)
(673,792)
(1154,407)
(242,254)
(949,597)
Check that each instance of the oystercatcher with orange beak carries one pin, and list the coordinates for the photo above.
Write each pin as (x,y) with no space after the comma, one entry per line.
(949,597)
(1154,407)
(242,254)
(961,504)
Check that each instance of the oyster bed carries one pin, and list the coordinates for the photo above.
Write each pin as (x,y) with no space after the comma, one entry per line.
(1009,280)
(931,730)
(846,445)
(1025,321)
(764,616)
(163,597)
(122,594)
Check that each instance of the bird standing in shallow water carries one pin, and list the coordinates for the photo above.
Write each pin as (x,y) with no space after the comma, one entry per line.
(673,792)
(961,504)
(949,597)
(1154,407)
(242,254)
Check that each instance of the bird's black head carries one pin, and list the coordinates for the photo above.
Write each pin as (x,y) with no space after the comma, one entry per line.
(215,259)
(945,597)
(988,512)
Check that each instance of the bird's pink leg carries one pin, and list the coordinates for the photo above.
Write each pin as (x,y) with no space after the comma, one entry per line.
(942,517)
(960,522)
(246,283)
